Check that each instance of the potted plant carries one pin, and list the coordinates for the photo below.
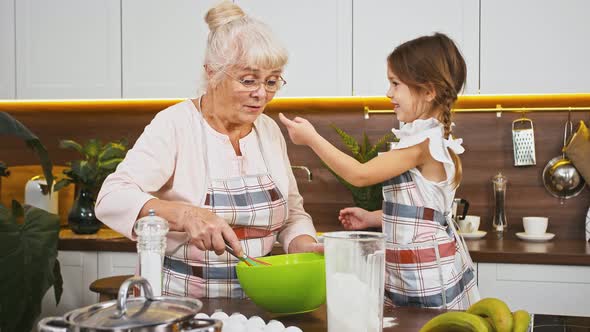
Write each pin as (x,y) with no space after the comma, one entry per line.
(28,246)
(369,198)
(88,174)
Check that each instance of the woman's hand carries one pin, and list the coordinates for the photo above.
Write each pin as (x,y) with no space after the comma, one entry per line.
(305,243)
(354,218)
(300,130)
(207,230)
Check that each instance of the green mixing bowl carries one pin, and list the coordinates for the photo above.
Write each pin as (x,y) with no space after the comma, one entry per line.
(294,283)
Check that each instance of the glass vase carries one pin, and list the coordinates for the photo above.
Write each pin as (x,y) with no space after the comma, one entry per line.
(82,219)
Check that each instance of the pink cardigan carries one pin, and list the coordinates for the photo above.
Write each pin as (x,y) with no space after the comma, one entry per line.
(167,163)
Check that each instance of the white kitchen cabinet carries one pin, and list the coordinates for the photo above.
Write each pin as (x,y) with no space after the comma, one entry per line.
(78,270)
(7,45)
(540,289)
(535,46)
(318,37)
(381,25)
(163,47)
(68,49)
(116,263)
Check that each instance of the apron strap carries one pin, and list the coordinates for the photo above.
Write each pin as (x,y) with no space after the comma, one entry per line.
(440,274)
(460,241)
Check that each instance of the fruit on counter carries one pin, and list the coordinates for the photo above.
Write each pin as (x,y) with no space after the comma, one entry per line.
(489,314)
(496,310)
(457,321)
(522,319)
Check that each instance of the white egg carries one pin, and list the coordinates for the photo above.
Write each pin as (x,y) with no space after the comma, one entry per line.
(274,326)
(220,315)
(255,322)
(292,329)
(253,329)
(202,315)
(232,326)
(238,317)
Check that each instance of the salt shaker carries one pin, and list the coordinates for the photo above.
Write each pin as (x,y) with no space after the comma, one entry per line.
(151,233)
(500,222)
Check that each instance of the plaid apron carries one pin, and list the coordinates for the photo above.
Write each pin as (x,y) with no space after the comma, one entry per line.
(255,208)
(427,264)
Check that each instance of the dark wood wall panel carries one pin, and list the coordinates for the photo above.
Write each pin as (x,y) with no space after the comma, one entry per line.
(487,140)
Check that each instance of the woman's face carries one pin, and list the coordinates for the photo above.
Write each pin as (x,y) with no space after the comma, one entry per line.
(243,92)
(408,105)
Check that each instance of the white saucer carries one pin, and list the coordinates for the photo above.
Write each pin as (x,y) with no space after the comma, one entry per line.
(535,238)
(474,236)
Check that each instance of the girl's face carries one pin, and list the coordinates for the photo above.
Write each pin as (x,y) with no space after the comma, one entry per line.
(408,105)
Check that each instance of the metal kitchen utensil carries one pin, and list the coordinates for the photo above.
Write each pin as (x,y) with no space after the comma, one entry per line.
(560,177)
(523,140)
(149,313)
(250,261)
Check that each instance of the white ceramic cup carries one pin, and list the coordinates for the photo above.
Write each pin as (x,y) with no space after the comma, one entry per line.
(470,224)
(535,225)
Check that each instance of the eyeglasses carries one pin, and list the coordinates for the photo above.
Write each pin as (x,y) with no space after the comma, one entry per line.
(250,84)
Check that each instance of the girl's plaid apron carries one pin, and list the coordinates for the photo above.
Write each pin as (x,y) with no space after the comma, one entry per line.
(255,208)
(427,264)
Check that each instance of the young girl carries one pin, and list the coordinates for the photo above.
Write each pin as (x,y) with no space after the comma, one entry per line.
(427,263)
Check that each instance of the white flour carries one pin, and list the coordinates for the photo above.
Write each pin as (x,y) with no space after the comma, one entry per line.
(352,306)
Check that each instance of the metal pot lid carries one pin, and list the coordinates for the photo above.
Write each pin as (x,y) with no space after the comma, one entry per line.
(123,313)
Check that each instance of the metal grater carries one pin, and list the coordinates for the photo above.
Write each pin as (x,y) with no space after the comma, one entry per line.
(523,139)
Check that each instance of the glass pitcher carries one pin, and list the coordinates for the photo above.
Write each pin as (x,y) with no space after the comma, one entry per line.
(355,280)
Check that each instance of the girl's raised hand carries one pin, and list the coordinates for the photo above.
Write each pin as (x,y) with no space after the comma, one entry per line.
(354,218)
(300,130)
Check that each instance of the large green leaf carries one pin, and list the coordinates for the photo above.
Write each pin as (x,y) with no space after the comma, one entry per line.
(11,126)
(28,258)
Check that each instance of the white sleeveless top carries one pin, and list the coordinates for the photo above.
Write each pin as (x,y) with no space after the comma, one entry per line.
(436,195)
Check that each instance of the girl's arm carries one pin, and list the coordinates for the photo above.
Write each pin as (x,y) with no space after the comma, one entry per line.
(383,167)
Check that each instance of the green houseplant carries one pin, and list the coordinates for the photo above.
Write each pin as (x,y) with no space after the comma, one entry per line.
(370,197)
(28,246)
(88,174)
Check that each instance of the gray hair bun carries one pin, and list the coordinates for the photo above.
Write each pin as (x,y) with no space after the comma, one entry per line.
(222,14)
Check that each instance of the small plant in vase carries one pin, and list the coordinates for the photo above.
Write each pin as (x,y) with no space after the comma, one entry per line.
(369,198)
(88,174)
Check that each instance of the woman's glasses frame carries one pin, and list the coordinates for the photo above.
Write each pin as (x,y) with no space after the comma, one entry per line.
(254,84)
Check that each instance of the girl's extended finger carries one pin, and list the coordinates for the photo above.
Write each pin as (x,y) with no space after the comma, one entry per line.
(285,120)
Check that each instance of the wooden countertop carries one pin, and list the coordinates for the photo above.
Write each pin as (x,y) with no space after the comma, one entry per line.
(487,250)
(407,318)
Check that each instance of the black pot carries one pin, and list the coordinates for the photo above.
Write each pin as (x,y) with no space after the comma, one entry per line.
(82,219)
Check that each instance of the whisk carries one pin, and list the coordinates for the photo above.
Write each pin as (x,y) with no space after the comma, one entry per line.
(250,261)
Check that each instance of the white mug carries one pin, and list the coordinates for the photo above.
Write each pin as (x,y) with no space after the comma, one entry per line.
(535,225)
(470,224)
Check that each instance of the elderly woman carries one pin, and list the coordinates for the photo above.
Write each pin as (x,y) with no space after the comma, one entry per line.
(216,168)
